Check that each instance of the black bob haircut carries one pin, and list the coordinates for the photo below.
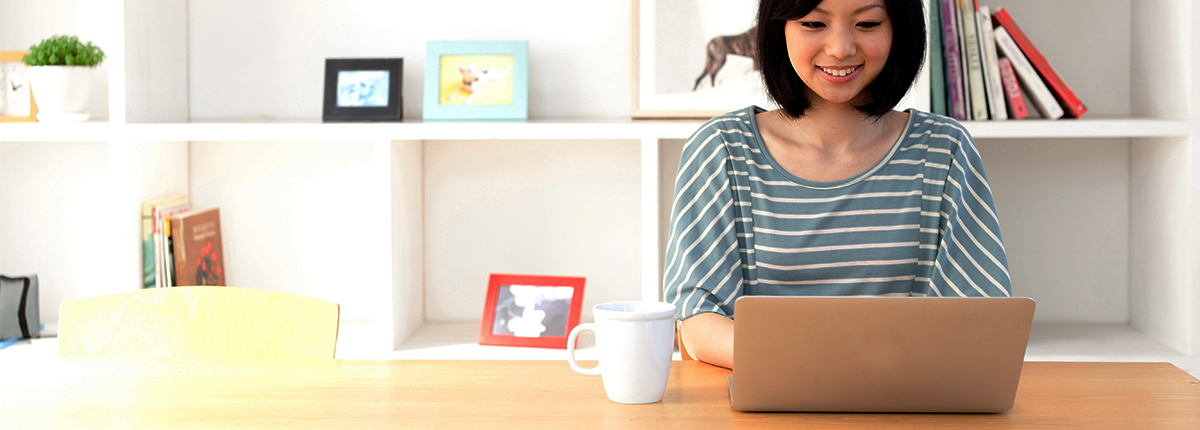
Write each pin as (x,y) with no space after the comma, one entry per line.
(784,85)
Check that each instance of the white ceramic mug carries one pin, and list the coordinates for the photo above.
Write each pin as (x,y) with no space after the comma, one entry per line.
(634,342)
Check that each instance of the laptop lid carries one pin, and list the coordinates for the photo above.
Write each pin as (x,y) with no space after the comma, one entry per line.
(878,354)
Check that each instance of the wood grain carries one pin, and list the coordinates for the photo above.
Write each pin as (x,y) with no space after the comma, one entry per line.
(198,323)
(332,394)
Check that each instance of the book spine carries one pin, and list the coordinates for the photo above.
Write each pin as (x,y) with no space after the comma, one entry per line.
(1074,107)
(937,68)
(178,250)
(962,60)
(147,246)
(957,107)
(1043,100)
(1012,90)
(168,262)
(158,263)
(978,97)
(991,73)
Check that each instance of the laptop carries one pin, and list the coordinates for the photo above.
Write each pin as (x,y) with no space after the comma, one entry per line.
(878,354)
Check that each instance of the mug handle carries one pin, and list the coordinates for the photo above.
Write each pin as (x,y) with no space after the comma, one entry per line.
(595,371)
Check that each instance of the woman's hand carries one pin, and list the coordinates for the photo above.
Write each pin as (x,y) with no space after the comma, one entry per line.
(708,337)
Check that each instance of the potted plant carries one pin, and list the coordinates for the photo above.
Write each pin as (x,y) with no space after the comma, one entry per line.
(60,68)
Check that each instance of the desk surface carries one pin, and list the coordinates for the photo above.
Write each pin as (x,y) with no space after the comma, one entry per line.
(108,393)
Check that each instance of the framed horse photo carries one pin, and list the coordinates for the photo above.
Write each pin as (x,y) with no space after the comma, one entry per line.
(486,81)
(694,59)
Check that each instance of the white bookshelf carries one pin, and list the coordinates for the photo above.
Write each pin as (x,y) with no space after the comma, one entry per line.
(557,129)
(392,219)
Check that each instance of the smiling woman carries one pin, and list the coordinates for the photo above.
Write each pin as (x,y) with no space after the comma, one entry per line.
(885,30)
(835,193)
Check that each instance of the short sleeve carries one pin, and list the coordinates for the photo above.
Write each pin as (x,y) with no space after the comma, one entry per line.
(703,266)
(970,257)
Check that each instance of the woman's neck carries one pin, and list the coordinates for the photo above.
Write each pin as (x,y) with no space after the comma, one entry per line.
(829,142)
(836,127)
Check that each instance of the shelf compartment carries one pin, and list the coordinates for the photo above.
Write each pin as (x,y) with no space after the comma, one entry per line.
(1098,342)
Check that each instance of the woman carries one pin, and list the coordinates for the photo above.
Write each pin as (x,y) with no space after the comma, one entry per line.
(834,193)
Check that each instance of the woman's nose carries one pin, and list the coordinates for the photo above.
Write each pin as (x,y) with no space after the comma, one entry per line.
(841,44)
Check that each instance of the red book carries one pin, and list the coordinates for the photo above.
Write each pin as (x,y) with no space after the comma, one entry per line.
(1071,104)
(198,253)
(1012,90)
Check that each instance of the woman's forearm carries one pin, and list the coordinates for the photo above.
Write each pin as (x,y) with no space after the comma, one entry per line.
(708,337)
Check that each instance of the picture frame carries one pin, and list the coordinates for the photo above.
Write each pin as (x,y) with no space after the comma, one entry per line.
(480,81)
(16,99)
(673,76)
(363,89)
(530,310)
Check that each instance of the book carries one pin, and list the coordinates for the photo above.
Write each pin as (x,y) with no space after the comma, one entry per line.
(149,272)
(954,76)
(962,60)
(991,71)
(1074,108)
(199,257)
(168,253)
(937,68)
(975,86)
(1043,100)
(161,214)
(1012,91)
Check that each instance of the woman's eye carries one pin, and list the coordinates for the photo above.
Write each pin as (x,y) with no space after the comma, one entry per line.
(869,24)
(812,24)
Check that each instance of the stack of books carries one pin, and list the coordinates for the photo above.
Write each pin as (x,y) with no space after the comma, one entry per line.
(180,246)
(983,67)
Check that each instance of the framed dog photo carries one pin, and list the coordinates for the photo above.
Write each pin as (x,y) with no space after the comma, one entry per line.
(695,58)
(486,81)
(530,310)
(363,89)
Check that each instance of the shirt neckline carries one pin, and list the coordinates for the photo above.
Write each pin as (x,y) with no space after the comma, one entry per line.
(754,110)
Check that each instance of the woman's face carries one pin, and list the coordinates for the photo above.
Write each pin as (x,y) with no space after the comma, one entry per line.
(840,47)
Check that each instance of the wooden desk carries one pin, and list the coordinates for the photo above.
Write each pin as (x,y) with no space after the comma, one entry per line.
(110,393)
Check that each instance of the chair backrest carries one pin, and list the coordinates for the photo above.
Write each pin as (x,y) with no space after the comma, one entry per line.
(198,323)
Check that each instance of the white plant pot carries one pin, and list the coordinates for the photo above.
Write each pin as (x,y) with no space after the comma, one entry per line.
(60,92)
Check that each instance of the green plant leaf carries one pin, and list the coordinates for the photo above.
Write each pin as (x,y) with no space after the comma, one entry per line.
(62,50)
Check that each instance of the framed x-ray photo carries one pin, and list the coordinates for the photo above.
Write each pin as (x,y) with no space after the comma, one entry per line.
(529,310)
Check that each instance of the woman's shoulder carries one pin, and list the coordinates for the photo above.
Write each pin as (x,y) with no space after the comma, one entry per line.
(738,123)
(938,130)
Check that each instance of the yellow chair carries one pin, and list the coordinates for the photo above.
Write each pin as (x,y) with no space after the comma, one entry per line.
(198,323)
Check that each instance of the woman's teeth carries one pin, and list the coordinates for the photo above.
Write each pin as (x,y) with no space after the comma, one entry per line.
(840,73)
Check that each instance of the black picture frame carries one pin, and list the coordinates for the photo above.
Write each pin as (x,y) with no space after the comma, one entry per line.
(391,112)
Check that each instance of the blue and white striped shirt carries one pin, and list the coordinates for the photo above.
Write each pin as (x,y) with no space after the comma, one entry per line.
(919,223)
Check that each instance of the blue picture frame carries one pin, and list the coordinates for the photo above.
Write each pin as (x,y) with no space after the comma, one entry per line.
(436,109)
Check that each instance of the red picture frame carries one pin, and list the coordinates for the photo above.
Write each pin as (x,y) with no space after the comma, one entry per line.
(530,310)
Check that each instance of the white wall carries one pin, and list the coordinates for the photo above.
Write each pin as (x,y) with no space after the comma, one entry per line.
(52,219)
(267,58)
(580,52)
(1063,206)
(301,217)
(24,23)
(530,207)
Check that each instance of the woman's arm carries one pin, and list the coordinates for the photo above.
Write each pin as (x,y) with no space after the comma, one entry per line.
(708,337)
